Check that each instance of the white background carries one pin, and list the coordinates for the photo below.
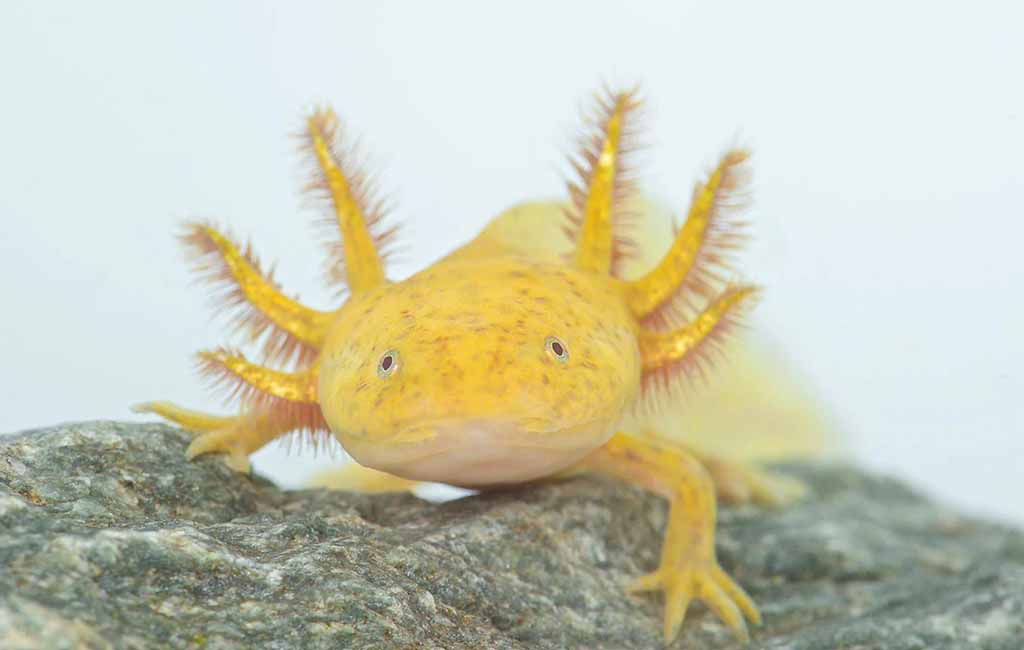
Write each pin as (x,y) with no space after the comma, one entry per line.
(890,191)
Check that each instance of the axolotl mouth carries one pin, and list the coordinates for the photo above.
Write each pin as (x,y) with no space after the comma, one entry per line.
(477,453)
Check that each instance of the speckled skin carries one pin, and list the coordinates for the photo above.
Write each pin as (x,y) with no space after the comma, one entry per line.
(470,332)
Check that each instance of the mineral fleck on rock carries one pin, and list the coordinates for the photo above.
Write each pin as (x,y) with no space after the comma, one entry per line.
(109,538)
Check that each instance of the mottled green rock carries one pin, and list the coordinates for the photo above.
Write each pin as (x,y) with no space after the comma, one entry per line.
(110,539)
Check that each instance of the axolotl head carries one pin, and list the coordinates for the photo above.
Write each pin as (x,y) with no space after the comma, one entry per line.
(480,372)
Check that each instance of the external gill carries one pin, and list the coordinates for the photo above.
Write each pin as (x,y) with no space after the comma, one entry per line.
(293,330)
(356,259)
(297,387)
(698,258)
(667,355)
(603,186)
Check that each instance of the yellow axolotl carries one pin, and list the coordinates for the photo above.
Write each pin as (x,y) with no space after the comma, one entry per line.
(509,360)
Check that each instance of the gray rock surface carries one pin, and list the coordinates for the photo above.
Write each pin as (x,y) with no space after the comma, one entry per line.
(110,539)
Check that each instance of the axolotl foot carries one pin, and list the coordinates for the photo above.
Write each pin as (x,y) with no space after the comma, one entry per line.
(234,437)
(739,483)
(704,580)
(689,569)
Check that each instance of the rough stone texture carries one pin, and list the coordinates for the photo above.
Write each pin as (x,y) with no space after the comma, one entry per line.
(110,539)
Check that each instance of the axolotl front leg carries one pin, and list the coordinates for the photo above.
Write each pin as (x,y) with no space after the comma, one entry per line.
(237,437)
(689,567)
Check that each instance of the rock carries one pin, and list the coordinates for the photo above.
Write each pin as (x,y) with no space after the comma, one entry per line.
(110,539)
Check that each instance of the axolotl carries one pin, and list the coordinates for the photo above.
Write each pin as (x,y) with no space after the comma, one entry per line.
(506,362)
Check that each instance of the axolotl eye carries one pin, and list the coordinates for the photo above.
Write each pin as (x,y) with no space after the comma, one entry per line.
(557,348)
(388,364)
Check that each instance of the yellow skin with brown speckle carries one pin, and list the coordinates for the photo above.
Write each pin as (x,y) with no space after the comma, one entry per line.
(476,397)
(506,362)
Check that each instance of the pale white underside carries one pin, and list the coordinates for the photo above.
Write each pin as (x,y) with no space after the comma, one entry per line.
(476,454)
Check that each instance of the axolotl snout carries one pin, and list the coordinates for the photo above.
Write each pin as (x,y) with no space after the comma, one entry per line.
(508,361)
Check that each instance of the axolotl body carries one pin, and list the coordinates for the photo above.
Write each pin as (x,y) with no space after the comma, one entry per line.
(505,362)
